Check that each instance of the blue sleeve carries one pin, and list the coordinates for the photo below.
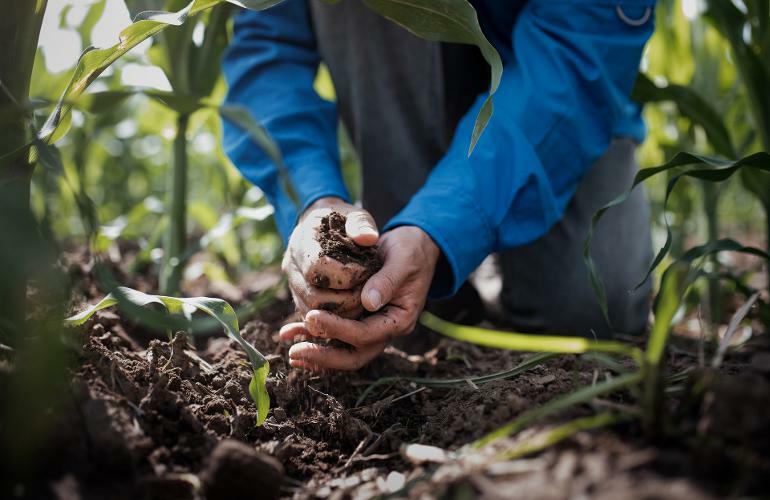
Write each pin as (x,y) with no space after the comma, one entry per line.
(270,68)
(564,95)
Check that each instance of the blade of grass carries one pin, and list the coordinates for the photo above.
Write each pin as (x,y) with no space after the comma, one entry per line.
(525,365)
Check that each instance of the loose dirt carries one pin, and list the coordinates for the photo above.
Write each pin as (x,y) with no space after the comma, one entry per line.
(142,416)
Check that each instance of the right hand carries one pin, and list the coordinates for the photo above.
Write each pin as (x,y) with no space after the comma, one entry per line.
(320,282)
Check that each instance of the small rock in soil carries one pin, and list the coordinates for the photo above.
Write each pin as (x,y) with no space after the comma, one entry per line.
(236,470)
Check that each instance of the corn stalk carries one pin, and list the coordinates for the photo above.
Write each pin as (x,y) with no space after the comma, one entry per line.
(19,32)
(174,247)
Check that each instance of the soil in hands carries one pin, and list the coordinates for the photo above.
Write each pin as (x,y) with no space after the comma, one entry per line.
(336,243)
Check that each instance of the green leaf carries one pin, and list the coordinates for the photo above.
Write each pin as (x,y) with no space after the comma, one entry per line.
(453,21)
(526,342)
(93,62)
(255,4)
(691,105)
(689,165)
(672,288)
(99,102)
(753,66)
(218,309)
(93,16)
(258,392)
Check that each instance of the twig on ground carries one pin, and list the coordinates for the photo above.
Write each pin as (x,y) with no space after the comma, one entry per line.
(409,394)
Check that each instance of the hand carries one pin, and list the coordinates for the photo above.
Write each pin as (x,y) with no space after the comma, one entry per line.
(320,282)
(397,293)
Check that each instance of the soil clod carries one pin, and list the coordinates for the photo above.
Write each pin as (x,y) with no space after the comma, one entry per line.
(336,243)
(237,470)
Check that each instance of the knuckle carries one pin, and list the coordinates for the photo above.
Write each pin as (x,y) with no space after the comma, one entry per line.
(388,281)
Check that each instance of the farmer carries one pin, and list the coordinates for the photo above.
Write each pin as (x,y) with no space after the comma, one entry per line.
(559,145)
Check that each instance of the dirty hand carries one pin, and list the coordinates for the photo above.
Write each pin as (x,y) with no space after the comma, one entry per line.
(396,293)
(320,282)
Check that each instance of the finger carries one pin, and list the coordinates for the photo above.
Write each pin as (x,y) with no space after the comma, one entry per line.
(290,331)
(307,297)
(381,287)
(361,228)
(375,329)
(317,357)
(325,272)
(320,270)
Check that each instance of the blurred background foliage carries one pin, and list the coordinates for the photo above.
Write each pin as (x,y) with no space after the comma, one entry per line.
(120,151)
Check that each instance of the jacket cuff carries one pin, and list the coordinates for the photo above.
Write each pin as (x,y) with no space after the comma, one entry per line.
(458,227)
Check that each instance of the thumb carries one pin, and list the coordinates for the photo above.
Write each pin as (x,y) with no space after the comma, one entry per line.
(361,228)
(382,286)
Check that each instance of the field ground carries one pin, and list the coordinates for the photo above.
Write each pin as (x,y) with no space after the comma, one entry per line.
(149,418)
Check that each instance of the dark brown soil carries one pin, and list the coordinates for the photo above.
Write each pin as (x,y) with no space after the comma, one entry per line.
(336,244)
(139,416)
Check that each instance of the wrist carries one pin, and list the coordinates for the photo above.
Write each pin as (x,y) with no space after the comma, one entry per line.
(432,250)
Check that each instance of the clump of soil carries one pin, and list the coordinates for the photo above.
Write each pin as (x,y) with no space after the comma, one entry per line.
(336,243)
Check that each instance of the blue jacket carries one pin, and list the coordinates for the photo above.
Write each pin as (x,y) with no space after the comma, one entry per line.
(569,67)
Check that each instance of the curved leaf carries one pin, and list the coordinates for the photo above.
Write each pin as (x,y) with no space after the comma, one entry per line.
(691,105)
(692,165)
(94,61)
(526,342)
(453,21)
(218,309)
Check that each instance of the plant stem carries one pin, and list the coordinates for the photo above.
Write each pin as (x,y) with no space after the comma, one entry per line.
(767,235)
(171,272)
(710,201)
(19,32)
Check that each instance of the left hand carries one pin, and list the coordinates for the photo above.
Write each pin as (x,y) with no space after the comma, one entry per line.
(396,293)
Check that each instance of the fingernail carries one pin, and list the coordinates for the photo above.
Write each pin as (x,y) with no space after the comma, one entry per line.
(367,230)
(374,298)
(312,316)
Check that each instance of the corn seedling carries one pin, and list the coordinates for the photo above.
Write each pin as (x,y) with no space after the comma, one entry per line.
(218,309)
(646,381)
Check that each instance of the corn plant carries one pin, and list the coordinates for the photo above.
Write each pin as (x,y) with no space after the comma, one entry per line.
(647,379)
(218,309)
(747,34)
